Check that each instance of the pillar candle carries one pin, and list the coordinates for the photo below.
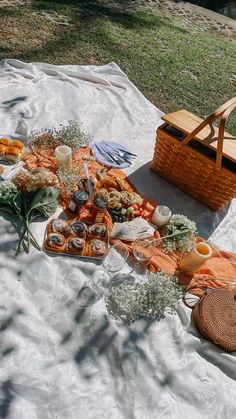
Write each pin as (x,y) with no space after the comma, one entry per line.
(63,155)
(195,258)
(161,216)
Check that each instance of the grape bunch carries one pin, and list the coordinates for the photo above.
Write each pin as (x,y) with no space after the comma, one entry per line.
(122,213)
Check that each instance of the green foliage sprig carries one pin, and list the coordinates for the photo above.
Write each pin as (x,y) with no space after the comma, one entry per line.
(27,206)
(178,233)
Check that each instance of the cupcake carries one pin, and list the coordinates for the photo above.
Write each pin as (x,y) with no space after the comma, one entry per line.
(78,228)
(97,230)
(55,242)
(98,248)
(60,226)
(76,245)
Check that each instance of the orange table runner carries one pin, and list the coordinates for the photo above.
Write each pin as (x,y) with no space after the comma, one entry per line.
(218,271)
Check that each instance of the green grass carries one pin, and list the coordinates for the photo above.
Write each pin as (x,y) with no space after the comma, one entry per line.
(172,67)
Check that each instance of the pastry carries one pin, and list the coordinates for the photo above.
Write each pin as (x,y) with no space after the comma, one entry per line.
(109,183)
(2,150)
(97,230)
(102,193)
(55,242)
(60,226)
(12,154)
(17,144)
(75,245)
(78,228)
(98,247)
(5,141)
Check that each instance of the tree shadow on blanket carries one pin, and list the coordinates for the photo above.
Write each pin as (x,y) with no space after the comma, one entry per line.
(7,394)
(116,349)
(149,184)
(6,398)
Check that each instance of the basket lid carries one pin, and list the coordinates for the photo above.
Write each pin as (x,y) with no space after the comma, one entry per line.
(215,317)
(186,122)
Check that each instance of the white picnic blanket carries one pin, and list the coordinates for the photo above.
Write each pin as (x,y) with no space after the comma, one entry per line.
(61,361)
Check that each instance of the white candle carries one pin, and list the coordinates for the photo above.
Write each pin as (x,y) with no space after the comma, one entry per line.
(195,258)
(63,155)
(161,216)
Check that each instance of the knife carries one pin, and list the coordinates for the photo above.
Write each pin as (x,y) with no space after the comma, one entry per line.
(117,153)
(115,158)
(121,149)
(109,159)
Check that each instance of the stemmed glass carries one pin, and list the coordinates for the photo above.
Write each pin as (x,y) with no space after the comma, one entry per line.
(142,251)
(113,262)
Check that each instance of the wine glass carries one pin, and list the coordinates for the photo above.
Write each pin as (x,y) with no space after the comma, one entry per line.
(114,261)
(112,264)
(143,250)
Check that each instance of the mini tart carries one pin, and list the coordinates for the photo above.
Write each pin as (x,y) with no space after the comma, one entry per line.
(98,248)
(60,226)
(97,230)
(17,144)
(12,153)
(2,150)
(5,141)
(75,245)
(78,228)
(55,242)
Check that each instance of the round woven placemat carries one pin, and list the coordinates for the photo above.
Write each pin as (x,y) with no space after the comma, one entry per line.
(215,318)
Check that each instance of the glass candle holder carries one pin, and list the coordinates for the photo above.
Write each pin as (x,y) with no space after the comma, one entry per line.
(63,155)
(161,216)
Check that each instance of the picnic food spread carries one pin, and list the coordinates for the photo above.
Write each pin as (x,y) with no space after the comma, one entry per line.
(102,208)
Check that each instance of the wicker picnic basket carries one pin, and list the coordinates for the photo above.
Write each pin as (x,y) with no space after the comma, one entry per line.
(198,157)
(215,318)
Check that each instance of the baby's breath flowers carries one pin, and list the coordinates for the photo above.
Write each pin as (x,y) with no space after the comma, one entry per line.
(41,140)
(70,134)
(69,179)
(179,233)
(157,297)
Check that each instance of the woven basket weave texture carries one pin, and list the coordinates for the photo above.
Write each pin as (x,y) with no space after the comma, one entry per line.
(201,172)
(193,173)
(215,318)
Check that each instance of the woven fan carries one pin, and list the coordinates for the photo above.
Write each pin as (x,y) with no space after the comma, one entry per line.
(215,318)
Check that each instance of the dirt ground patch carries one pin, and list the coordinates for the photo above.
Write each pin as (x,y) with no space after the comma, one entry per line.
(188,16)
(5,3)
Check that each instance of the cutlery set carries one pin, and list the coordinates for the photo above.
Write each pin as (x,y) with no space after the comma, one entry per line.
(113,154)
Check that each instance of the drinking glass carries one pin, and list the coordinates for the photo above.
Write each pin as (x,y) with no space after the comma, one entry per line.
(142,251)
(113,262)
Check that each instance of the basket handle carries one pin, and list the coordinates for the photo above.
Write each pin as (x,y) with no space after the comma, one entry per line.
(223,113)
